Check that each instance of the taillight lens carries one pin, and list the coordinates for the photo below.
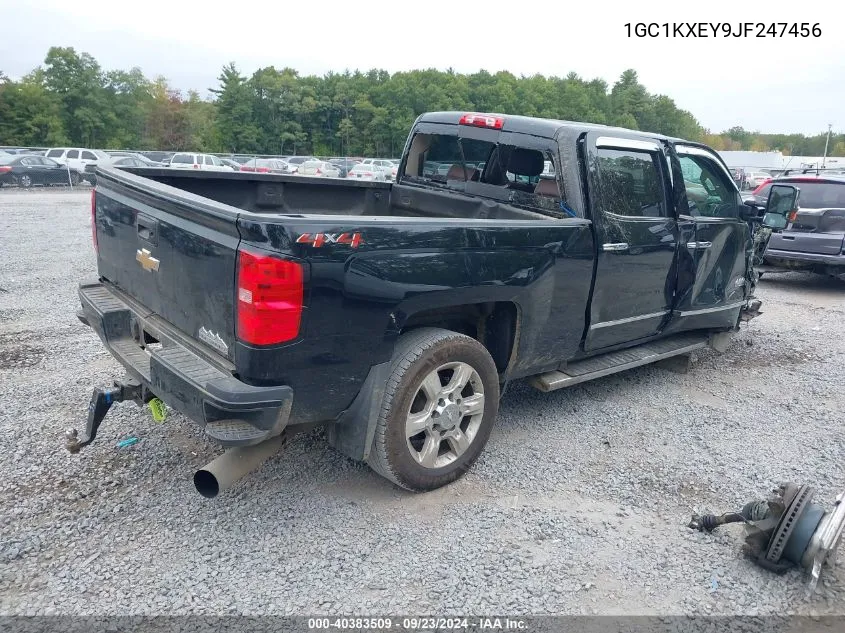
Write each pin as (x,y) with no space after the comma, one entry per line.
(5,169)
(94,219)
(269,298)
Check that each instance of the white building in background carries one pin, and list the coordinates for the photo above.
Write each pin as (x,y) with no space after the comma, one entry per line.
(776,160)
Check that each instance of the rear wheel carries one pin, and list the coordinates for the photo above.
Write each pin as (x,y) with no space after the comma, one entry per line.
(74,178)
(25,181)
(439,406)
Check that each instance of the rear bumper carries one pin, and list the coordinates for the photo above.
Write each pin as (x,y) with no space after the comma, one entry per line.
(775,256)
(183,375)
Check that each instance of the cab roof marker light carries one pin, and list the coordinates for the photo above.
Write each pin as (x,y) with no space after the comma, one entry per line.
(482,120)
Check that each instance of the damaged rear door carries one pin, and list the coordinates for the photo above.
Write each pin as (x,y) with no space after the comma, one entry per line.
(637,237)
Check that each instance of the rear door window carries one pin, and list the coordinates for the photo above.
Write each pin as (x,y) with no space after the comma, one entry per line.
(630,183)
(73,153)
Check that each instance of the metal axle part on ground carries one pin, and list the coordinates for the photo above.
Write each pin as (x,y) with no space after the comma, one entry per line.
(786,530)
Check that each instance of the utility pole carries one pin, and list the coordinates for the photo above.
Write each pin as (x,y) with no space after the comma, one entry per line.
(827,140)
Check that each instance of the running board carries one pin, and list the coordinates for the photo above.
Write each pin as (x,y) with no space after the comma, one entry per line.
(614,362)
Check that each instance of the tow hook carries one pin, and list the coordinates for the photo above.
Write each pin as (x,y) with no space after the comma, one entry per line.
(786,530)
(101,402)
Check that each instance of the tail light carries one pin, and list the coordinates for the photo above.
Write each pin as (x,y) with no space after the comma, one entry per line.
(196,166)
(319,172)
(94,220)
(5,169)
(270,293)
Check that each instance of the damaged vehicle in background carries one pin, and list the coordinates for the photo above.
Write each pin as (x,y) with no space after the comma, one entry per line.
(393,314)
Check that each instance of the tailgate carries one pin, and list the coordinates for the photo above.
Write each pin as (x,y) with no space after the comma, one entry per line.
(172,251)
(799,242)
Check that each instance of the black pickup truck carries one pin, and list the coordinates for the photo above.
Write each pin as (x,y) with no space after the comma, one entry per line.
(392,313)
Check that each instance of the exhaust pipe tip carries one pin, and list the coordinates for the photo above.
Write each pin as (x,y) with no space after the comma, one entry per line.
(206,484)
(221,473)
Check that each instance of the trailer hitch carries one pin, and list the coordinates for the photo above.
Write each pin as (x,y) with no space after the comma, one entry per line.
(101,402)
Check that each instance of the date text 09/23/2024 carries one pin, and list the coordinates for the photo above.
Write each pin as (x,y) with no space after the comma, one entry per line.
(416,623)
(722,29)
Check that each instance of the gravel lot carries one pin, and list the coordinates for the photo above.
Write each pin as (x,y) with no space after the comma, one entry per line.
(578,505)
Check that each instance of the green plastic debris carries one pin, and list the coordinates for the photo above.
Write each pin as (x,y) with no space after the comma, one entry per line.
(158,410)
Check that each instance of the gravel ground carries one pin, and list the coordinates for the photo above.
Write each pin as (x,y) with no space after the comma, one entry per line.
(578,505)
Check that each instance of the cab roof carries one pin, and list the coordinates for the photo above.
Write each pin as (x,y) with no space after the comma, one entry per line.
(547,128)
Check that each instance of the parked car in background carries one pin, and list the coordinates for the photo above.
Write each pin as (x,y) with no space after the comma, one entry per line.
(231,163)
(158,157)
(26,170)
(365,172)
(813,236)
(265,166)
(387,168)
(295,161)
(206,162)
(75,160)
(345,165)
(754,179)
(319,168)
(130,161)
(148,162)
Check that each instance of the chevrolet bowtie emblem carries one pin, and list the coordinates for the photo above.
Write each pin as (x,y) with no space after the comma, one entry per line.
(147,261)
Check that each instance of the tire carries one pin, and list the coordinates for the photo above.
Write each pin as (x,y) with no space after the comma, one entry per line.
(75,179)
(424,360)
(25,181)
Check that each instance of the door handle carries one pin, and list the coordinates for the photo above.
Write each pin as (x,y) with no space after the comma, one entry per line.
(788,237)
(699,245)
(615,248)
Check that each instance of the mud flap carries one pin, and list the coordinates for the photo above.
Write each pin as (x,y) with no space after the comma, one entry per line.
(352,434)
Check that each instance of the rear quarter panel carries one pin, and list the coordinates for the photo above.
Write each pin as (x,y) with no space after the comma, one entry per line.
(358,299)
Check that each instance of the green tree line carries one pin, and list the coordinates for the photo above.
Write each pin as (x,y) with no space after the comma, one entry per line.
(71,100)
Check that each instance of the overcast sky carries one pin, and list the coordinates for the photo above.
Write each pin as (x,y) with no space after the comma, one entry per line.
(767,85)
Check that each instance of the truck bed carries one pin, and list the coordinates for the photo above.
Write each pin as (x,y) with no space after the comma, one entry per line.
(303,195)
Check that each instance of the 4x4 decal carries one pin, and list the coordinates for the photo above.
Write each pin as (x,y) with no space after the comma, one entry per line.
(354,240)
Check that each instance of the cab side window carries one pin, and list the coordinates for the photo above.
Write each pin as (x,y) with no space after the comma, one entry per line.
(708,191)
(88,156)
(630,183)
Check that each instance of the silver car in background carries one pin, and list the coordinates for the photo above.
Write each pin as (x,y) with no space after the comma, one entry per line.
(319,168)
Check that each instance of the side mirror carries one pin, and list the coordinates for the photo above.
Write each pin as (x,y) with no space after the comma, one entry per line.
(748,212)
(782,202)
